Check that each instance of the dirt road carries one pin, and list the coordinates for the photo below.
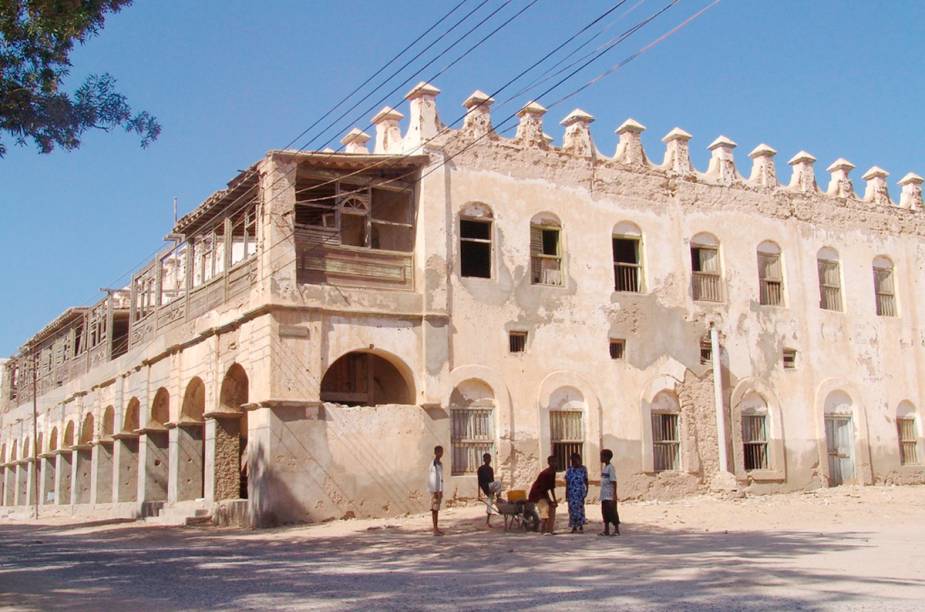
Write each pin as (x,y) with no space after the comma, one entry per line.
(846,548)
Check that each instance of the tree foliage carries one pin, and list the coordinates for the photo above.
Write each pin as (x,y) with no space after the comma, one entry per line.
(36,38)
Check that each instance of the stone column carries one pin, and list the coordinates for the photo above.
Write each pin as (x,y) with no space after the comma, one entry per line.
(911,196)
(47,479)
(355,142)
(102,489)
(189,460)
(840,184)
(764,173)
(73,466)
(83,474)
(153,465)
(125,467)
(577,137)
(803,178)
(722,166)
(173,464)
(677,152)
(388,131)
(629,149)
(209,460)
(224,438)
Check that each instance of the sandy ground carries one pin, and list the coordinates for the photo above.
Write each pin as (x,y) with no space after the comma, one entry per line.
(845,548)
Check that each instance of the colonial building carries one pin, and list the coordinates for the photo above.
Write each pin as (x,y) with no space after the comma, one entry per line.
(314,329)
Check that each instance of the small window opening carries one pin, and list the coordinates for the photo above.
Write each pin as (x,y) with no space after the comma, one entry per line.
(545,255)
(666,440)
(475,248)
(517,342)
(617,348)
(706,351)
(829,285)
(790,359)
(884,290)
(626,265)
(770,279)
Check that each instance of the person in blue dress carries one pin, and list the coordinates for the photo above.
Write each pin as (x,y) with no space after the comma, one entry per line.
(576,490)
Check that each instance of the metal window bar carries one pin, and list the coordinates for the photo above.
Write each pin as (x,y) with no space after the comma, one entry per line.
(829,285)
(885,292)
(755,442)
(908,445)
(666,441)
(472,436)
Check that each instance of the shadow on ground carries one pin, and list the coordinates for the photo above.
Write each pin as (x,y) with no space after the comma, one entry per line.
(169,568)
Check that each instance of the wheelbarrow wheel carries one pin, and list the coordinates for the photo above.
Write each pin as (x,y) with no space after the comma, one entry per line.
(531,520)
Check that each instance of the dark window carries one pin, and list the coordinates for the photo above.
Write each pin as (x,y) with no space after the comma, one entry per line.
(706,351)
(626,265)
(550,242)
(475,248)
(517,342)
(790,359)
(617,348)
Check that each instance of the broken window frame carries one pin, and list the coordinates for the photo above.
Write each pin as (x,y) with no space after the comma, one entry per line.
(627,277)
(467,240)
(472,434)
(770,279)
(830,297)
(884,289)
(566,435)
(545,268)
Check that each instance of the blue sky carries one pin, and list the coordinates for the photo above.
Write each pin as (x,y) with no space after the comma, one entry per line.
(231,79)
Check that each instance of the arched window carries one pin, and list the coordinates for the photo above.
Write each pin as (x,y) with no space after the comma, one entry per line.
(475,252)
(907,430)
(53,440)
(706,272)
(884,287)
(86,430)
(68,442)
(666,432)
(546,250)
(472,415)
(627,258)
(109,423)
(829,279)
(770,275)
(130,422)
(235,389)
(754,411)
(194,401)
(566,425)
(365,379)
(160,408)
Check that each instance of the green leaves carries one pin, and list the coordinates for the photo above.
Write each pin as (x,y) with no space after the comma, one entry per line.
(36,38)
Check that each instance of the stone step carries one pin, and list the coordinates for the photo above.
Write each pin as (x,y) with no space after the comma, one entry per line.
(199,520)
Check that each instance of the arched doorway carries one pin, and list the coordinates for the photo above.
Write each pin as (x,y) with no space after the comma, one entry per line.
(190,442)
(104,450)
(84,457)
(231,450)
(365,379)
(126,452)
(157,448)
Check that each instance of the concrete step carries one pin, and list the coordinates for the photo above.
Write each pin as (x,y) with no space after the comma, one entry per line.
(200,520)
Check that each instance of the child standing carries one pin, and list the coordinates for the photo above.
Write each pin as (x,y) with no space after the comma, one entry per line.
(576,490)
(609,494)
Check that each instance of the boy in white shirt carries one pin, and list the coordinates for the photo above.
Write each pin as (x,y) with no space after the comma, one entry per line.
(435,486)
(609,494)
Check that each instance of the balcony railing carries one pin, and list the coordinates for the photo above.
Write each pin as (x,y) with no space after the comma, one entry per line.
(706,287)
(626,277)
(771,293)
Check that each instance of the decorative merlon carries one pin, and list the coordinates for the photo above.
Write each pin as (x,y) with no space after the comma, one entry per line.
(530,127)
(478,114)
(876,191)
(388,132)
(722,166)
(577,138)
(764,172)
(424,123)
(840,185)
(911,196)
(629,149)
(677,152)
(803,178)
(355,141)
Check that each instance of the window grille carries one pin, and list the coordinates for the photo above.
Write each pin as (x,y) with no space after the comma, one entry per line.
(770,280)
(706,286)
(566,433)
(545,255)
(666,441)
(517,342)
(617,349)
(627,267)
(908,445)
(790,359)
(475,248)
(472,436)
(706,351)
(829,285)
(885,292)
(755,441)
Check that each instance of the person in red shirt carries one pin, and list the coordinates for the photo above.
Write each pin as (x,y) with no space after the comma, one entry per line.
(543,494)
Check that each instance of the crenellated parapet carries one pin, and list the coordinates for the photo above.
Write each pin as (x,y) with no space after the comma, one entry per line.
(425,128)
